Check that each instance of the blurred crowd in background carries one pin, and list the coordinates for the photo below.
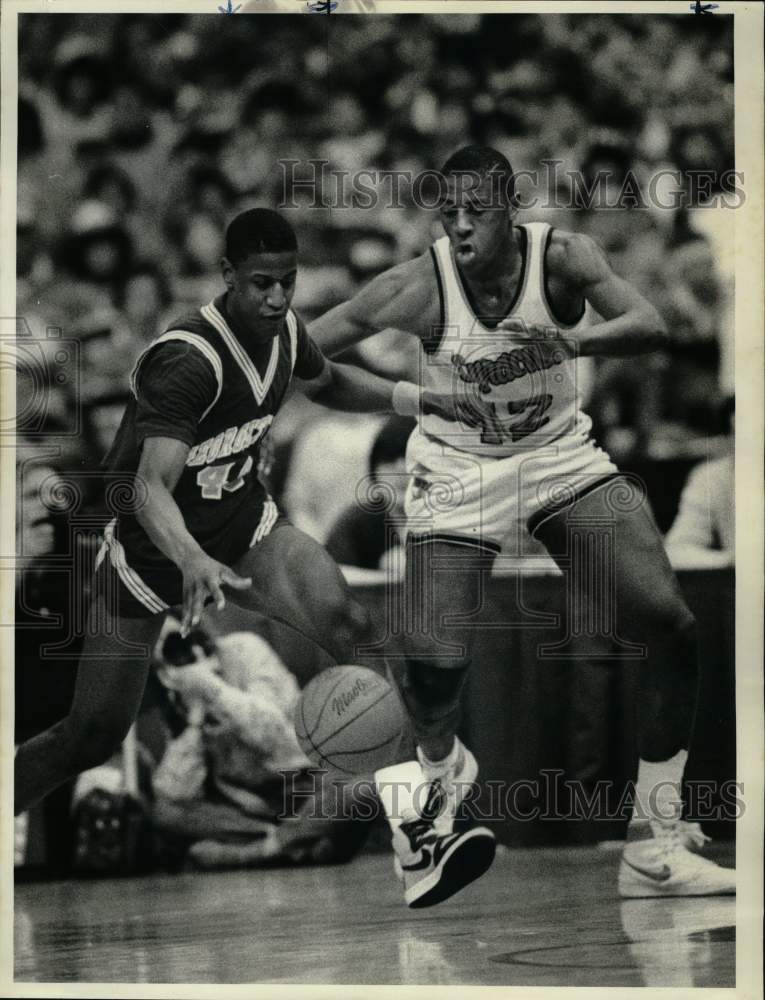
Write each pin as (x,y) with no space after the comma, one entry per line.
(140,137)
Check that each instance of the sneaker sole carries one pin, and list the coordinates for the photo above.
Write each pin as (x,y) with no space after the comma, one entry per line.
(464,862)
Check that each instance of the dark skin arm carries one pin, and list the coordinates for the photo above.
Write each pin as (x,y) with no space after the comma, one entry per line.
(160,467)
(353,390)
(631,325)
(404,298)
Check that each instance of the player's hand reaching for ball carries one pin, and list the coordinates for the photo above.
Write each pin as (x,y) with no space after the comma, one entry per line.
(204,577)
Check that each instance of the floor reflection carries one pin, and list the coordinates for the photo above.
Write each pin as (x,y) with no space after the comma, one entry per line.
(423,961)
(682,942)
(544,918)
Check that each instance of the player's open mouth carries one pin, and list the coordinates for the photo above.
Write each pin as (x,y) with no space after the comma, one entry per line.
(465,250)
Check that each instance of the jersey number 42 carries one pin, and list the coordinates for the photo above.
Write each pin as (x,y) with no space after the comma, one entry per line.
(495,429)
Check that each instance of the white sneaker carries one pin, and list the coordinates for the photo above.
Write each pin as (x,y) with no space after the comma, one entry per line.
(693,836)
(657,862)
(452,781)
(434,867)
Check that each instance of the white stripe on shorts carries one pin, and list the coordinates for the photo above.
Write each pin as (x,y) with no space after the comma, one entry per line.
(267,521)
(137,587)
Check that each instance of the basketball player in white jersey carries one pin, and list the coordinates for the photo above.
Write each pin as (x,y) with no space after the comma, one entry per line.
(502,311)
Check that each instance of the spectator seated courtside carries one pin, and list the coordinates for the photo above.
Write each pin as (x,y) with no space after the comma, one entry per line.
(223,783)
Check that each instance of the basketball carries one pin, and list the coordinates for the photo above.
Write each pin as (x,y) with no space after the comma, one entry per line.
(349,719)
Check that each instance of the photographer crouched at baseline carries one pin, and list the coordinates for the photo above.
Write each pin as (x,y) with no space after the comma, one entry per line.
(218,785)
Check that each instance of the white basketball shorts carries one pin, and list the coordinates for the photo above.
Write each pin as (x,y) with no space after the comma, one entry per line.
(494,503)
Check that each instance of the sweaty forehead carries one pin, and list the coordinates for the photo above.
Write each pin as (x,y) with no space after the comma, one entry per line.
(273,265)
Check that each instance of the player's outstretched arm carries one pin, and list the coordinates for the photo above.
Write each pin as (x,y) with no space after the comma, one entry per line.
(162,462)
(403,298)
(354,390)
(631,325)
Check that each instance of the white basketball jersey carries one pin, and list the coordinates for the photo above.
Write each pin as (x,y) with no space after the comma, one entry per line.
(513,395)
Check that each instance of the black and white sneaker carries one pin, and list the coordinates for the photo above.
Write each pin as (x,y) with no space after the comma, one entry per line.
(435,866)
(454,778)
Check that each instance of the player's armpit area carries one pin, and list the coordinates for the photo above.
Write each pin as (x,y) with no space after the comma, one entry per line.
(309,360)
(580,262)
(313,385)
(577,259)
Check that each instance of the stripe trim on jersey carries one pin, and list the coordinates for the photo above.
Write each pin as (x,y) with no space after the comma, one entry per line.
(267,520)
(140,590)
(544,290)
(196,341)
(525,249)
(293,330)
(431,344)
(259,386)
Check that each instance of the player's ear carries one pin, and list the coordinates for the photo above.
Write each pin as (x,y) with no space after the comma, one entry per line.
(227,270)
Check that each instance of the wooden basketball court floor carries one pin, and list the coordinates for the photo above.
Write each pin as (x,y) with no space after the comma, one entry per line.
(540,917)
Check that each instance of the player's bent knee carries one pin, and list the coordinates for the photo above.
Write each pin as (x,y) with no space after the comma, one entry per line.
(685,621)
(675,619)
(351,617)
(343,624)
(670,620)
(361,618)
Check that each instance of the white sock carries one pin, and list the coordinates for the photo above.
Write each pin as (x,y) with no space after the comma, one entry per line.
(400,788)
(435,768)
(658,789)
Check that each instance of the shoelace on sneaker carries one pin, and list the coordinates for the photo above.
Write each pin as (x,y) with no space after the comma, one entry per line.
(672,843)
(678,832)
(419,831)
(693,833)
(435,802)
(668,832)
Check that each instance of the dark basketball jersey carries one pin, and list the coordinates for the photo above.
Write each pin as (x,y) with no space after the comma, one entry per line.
(241,387)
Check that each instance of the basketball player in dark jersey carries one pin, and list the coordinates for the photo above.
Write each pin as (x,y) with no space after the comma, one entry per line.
(502,313)
(199,525)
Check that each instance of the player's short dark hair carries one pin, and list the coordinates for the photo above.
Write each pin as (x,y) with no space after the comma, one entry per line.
(258,230)
(474,163)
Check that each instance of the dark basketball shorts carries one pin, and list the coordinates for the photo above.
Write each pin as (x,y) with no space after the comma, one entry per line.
(135,589)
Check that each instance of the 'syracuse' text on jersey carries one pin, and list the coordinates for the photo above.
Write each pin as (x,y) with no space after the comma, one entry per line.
(199,383)
(513,395)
